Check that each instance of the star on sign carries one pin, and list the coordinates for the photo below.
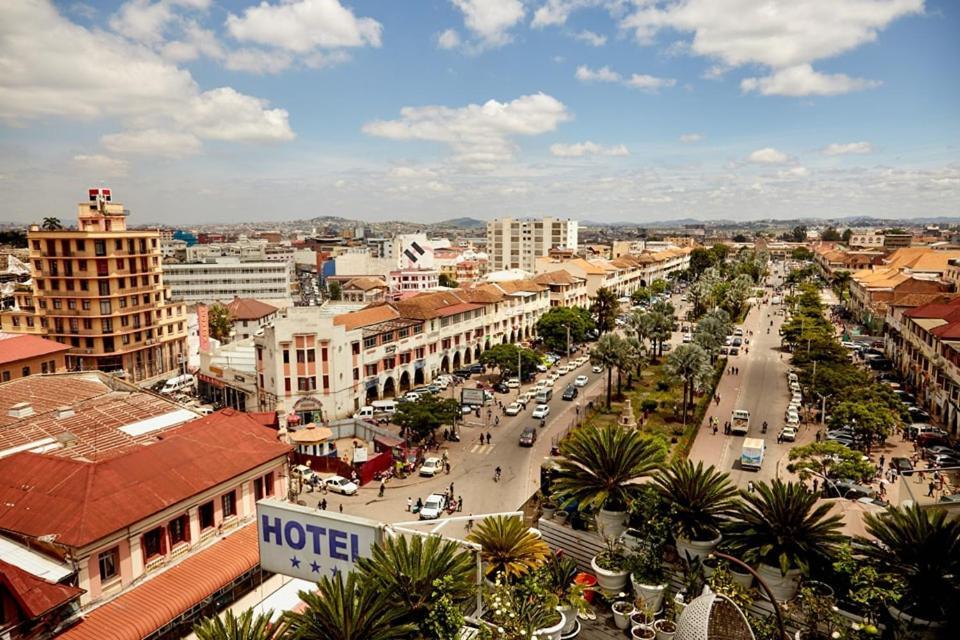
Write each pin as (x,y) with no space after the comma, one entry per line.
(295,562)
(314,567)
(334,571)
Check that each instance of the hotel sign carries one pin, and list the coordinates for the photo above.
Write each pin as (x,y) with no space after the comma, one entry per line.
(301,542)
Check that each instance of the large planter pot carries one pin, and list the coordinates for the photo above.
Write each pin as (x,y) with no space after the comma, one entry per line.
(552,633)
(697,548)
(621,613)
(610,524)
(710,565)
(651,594)
(570,618)
(642,633)
(919,628)
(610,582)
(548,510)
(740,575)
(784,587)
(665,633)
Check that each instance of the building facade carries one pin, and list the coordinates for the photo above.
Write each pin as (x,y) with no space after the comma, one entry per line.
(100,290)
(24,355)
(516,244)
(228,278)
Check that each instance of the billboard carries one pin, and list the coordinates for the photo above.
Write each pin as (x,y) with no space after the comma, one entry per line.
(301,542)
(472,397)
(203,322)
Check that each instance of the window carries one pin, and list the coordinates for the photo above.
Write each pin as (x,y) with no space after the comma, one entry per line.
(326,382)
(369,343)
(6,376)
(109,562)
(152,543)
(179,530)
(104,287)
(25,372)
(257,488)
(268,484)
(356,373)
(286,385)
(229,503)
(306,384)
(85,304)
(105,307)
(100,247)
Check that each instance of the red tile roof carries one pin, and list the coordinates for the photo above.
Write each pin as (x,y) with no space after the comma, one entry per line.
(34,595)
(82,502)
(15,347)
(161,599)
(249,309)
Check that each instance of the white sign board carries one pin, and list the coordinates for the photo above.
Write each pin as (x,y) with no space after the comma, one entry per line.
(301,542)
(359,455)
(472,397)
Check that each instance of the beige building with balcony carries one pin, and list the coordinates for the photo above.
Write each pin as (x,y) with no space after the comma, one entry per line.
(516,244)
(100,290)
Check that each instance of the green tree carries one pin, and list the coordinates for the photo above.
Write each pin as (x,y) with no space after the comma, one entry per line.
(830,234)
(830,460)
(606,354)
(604,309)
(701,498)
(741,238)
(640,296)
(659,286)
(712,330)
(220,323)
(422,417)
(871,420)
(799,234)
(335,291)
(600,466)
(691,364)
(801,253)
(51,224)
(718,254)
(659,328)
(552,327)
(446,281)
(246,626)
(347,609)
(636,358)
(504,357)
(700,261)
(847,234)
(508,548)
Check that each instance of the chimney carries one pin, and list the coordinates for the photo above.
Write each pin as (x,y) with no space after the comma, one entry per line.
(63,413)
(20,410)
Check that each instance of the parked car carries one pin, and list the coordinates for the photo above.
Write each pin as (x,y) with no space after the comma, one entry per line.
(930,453)
(597,369)
(501,387)
(339,484)
(513,383)
(303,472)
(931,439)
(463,373)
(903,466)
(918,415)
(846,489)
(528,436)
(431,467)
(581,381)
(788,433)
(513,409)
(570,393)
(915,429)
(541,367)
(542,411)
(433,506)
(476,367)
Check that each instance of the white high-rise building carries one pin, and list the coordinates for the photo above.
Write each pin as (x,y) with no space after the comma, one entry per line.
(516,244)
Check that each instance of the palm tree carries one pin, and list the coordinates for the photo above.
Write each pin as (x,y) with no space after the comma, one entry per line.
(626,362)
(840,281)
(690,363)
(599,466)
(406,571)
(781,525)
(51,223)
(605,308)
(701,498)
(659,328)
(246,626)
(637,357)
(346,609)
(637,322)
(509,549)
(606,354)
(219,320)
(920,549)
(712,330)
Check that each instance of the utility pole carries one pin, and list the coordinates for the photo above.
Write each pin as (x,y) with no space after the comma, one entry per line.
(568,344)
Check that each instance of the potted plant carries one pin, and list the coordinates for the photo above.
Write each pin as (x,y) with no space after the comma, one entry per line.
(701,499)
(666,627)
(648,579)
(740,575)
(919,551)
(722,582)
(621,612)
(710,564)
(646,564)
(524,610)
(509,549)
(549,508)
(598,469)
(557,576)
(781,528)
(610,567)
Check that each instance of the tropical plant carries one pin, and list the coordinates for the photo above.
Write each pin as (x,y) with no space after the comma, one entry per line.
(424,416)
(700,498)
(691,364)
(721,581)
(51,223)
(604,309)
(599,465)
(335,291)
(636,358)
(781,525)
(558,575)
(506,357)
(920,549)
(613,557)
(712,330)
(508,548)
(446,618)
(553,325)
(519,611)
(346,609)
(218,318)
(246,626)
(407,570)
(830,460)
(627,360)
(606,353)
(650,515)
(445,280)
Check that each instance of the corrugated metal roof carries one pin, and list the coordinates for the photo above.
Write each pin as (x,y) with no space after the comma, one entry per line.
(35,563)
(158,422)
(34,595)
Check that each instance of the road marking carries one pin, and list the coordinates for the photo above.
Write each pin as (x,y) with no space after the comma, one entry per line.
(482,449)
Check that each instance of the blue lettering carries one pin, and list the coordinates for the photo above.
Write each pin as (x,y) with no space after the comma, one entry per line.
(294,541)
(316,532)
(354,546)
(266,529)
(338,541)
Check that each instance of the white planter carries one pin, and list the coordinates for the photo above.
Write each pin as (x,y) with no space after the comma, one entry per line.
(610,524)
(611,582)
(548,511)
(552,633)
(570,617)
(919,628)
(642,632)
(622,620)
(743,579)
(651,594)
(697,548)
(661,634)
(784,587)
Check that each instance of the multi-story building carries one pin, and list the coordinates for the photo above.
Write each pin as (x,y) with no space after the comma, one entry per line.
(22,355)
(566,289)
(622,275)
(516,244)
(248,316)
(228,278)
(100,290)
(866,240)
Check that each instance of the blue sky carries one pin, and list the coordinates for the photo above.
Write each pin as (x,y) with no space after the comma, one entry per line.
(631,110)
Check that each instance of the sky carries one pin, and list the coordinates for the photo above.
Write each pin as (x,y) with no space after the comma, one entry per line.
(213,111)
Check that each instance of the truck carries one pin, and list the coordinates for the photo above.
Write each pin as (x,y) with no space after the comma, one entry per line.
(740,422)
(751,456)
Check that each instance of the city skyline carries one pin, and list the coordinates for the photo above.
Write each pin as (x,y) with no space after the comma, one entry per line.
(213,111)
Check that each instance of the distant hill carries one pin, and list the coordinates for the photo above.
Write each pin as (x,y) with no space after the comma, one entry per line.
(462,223)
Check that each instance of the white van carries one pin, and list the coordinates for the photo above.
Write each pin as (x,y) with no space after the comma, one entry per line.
(180,383)
(544,395)
(384,406)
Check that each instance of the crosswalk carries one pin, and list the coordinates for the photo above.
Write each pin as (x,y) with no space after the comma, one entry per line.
(482,449)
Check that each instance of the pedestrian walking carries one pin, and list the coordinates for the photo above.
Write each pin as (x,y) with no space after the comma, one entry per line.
(489,437)
(409,503)
(419,504)
(451,489)
(750,486)
(459,503)
(383,486)
(481,438)
(815,483)
(341,507)
(446,467)
(930,488)
(883,488)
(715,429)
(818,436)
(882,460)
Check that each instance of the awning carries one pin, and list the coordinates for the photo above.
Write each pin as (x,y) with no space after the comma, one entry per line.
(202,377)
(389,442)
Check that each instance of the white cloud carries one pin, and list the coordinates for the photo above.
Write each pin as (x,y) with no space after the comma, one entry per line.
(161,143)
(66,71)
(587,148)
(554,13)
(849,148)
(690,138)
(603,74)
(768,155)
(793,172)
(784,35)
(591,38)
(142,20)
(405,172)
(490,20)
(479,135)
(802,80)
(257,61)
(101,165)
(648,83)
(301,26)
(449,39)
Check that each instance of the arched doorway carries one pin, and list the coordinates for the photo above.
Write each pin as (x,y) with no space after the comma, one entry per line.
(504,341)
(389,388)
(456,360)
(476,351)
(372,393)
(445,364)
(309,409)
(404,382)
(643,283)
(418,377)
(467,356)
